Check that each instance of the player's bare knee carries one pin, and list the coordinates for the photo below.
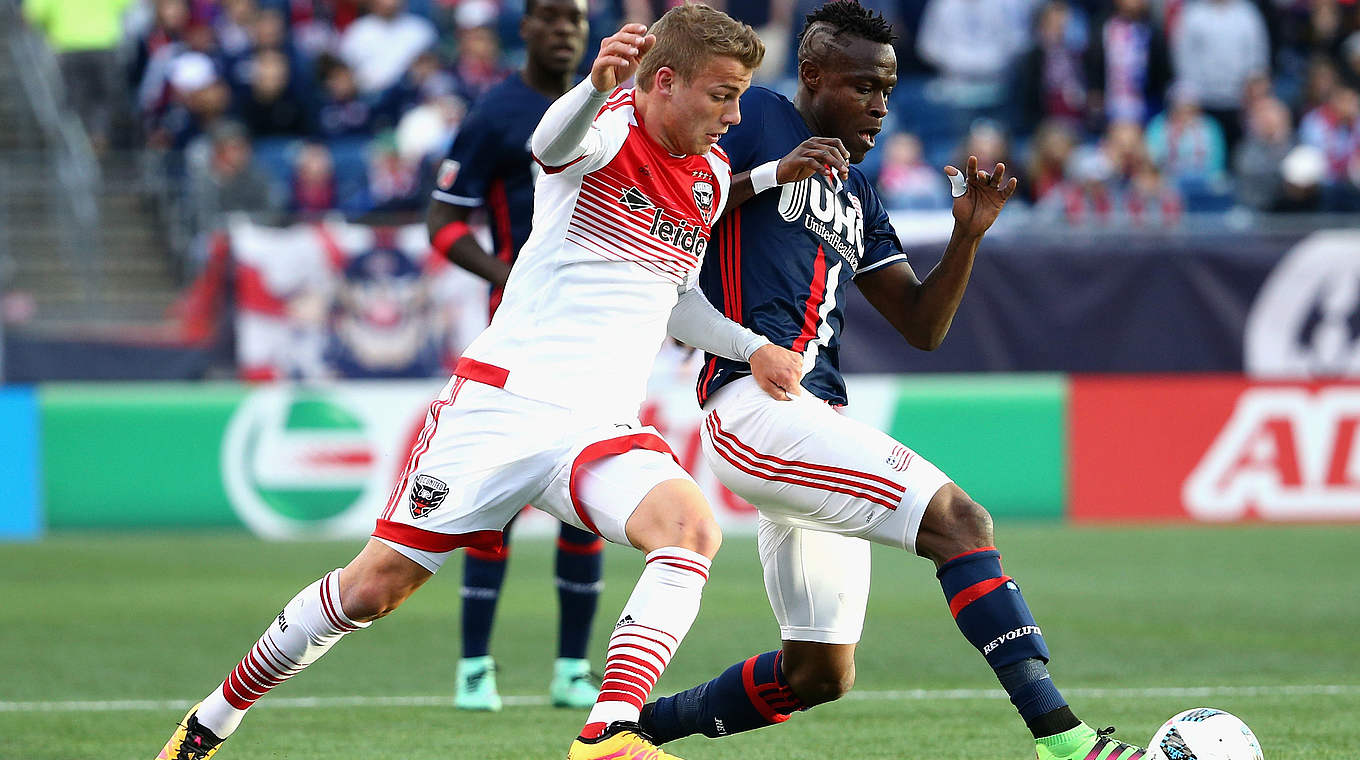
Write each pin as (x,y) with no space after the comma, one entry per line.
(675,513)
(377,581)
(822,682)
(371,595)
(974,522)
(953,524)
(698,531)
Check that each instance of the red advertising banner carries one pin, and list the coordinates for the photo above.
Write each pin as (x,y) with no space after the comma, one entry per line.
(1214,449)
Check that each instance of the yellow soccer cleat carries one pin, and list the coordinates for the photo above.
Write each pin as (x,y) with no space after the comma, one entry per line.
(191,741)
(621,741)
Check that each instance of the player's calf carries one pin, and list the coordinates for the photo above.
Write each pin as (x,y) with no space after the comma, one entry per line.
(756,692)
(991,612)
(340,602)
(751,694)
(577,573)
(990,609)
(675,527)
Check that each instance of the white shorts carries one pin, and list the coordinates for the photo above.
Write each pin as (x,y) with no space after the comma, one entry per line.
(484,453)
(808,469)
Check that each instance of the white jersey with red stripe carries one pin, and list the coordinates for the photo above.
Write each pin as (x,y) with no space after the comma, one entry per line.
(618,233)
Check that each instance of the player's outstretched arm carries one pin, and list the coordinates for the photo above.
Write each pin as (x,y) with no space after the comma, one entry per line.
(560,137)
(816,154)
(923,311)
(694,322)
(452,238)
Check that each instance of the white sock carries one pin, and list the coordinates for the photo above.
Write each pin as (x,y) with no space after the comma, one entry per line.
(308,626)
(656,618)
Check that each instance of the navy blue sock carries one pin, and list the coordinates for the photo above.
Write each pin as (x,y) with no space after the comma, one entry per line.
(749,695)
(992,614)
(483,574)
(580,561)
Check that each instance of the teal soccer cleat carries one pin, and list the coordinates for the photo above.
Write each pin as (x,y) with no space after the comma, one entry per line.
(573,685)
(477,685)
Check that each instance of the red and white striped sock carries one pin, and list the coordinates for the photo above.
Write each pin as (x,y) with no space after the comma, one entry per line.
(656,618)
(306,628)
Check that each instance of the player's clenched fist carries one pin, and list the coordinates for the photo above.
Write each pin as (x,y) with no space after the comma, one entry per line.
(815,154)
(778,371)
(619,56)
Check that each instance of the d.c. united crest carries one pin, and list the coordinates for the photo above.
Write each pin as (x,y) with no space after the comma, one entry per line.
(427,493)
(703,198)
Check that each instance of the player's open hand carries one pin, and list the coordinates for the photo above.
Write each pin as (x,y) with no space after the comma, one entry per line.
(815,155)
(978,196)
(620,54)
(778,371)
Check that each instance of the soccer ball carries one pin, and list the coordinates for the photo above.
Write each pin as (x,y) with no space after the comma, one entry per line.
(1204,734)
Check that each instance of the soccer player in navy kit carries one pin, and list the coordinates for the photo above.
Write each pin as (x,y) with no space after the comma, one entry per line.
(826,486)
(489,166)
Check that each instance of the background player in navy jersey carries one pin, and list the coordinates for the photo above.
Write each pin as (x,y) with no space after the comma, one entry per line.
(489,167)
(827,486)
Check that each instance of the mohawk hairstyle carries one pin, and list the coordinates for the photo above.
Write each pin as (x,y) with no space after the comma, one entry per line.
(841,17)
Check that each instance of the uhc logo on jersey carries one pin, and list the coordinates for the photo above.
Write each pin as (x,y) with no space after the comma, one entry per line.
(836,218)
(665,227)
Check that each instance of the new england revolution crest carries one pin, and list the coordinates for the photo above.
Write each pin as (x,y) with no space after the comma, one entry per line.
(900,458)
(448,172)
(427,493)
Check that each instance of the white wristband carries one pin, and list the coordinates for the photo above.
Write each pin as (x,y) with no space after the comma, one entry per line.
(763,177)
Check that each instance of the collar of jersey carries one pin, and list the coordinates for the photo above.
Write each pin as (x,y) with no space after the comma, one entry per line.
(637,118)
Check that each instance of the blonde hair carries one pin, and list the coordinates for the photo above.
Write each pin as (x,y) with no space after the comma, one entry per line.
(688,36)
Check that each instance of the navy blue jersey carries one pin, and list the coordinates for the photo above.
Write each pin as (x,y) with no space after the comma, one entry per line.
(780,263)
(489,164)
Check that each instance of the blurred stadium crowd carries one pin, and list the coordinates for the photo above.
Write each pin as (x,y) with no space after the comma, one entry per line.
(1111,111)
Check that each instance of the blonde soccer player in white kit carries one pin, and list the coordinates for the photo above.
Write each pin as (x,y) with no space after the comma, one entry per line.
(543,406)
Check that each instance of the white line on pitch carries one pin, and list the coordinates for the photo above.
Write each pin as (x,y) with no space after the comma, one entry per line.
(1097,693)
(143,705)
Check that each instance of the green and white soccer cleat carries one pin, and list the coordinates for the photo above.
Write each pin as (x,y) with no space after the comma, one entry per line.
(573,685)
(1086,743)
(476,688)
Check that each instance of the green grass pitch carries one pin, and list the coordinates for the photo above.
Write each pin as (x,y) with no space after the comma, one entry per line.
(1265,618)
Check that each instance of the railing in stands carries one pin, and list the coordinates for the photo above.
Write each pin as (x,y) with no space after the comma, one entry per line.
(74,164)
